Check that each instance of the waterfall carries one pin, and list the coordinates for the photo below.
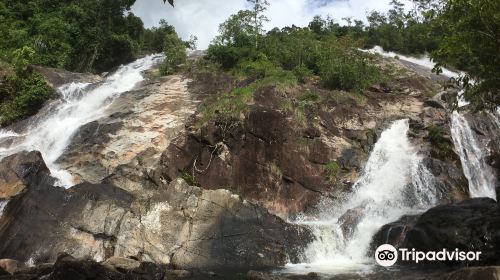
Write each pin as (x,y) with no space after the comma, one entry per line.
(51,131)
(472,155)
(393,183)
(3,203)
(479,174)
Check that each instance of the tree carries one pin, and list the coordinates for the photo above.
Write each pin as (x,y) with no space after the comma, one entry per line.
(175,54)
(472,43)
(259,7)
(317,25)
(237,30)
(169,1)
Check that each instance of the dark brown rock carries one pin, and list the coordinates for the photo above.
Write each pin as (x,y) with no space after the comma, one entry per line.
(470,225)
(474,273)
(18,170)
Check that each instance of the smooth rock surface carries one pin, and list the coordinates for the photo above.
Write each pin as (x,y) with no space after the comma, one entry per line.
(471,225)
(180,225)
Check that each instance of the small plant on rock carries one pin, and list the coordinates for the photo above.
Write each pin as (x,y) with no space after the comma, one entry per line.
(331,170)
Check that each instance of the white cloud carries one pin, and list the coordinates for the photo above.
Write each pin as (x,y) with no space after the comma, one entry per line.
(202,17)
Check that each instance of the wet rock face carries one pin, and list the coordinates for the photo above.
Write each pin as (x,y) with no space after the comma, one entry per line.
(179,225)
(127,143)
(471,225)
(19,170)
(451,184)
(286,158)
(58,77)
(67,267)
(486,126)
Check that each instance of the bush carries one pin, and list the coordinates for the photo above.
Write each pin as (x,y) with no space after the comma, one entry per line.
(23,97)
(438,139)
(229,106)
(175,54)
(189,178)
(259,68)
(21,58)
(331,170)
(308,99)
(347,71)
(227,56)
(116,50)
(302,73)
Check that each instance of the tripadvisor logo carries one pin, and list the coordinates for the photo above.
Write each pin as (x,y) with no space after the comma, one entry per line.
(387,255)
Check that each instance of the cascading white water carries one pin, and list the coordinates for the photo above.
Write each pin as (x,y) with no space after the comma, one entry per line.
(472,155)
(51,132)
(3,203)
(393,183)
(480,175)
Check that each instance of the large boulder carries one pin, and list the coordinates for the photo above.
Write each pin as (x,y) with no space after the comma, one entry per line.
(179,225)
(471,225)
(16,171)
(58,77)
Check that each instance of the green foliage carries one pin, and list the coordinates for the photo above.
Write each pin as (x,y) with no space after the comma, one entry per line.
(302,73)
(21,58)
(154,38)
(189,178)
(229,106)
(400,31)
(459,33)
(175,54)
(116,50)
(309,98)
(22,96)
(331,170)
(301,52)
(259,68)
(437,138)
(82,36)
(91,35)
(472,43)
(281,80)
(237,31)
(346,69)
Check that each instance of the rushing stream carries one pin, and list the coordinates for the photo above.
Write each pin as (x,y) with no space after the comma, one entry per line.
(480,175)
(52,129)
(472,154)
(393,183)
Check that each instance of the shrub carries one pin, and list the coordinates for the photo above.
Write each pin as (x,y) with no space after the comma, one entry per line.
(21,58)
(331,170)
(227,56)
(229,106)
(175,54)
(115,50)
(437,138)
(23,97)
(308,99)
(189,178)
(347,71)
(259,68)
(302,73)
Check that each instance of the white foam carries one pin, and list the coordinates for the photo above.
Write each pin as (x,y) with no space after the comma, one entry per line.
(394,183)
(52,131)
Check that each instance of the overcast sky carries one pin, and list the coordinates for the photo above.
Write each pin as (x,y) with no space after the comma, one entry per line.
(202,17)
